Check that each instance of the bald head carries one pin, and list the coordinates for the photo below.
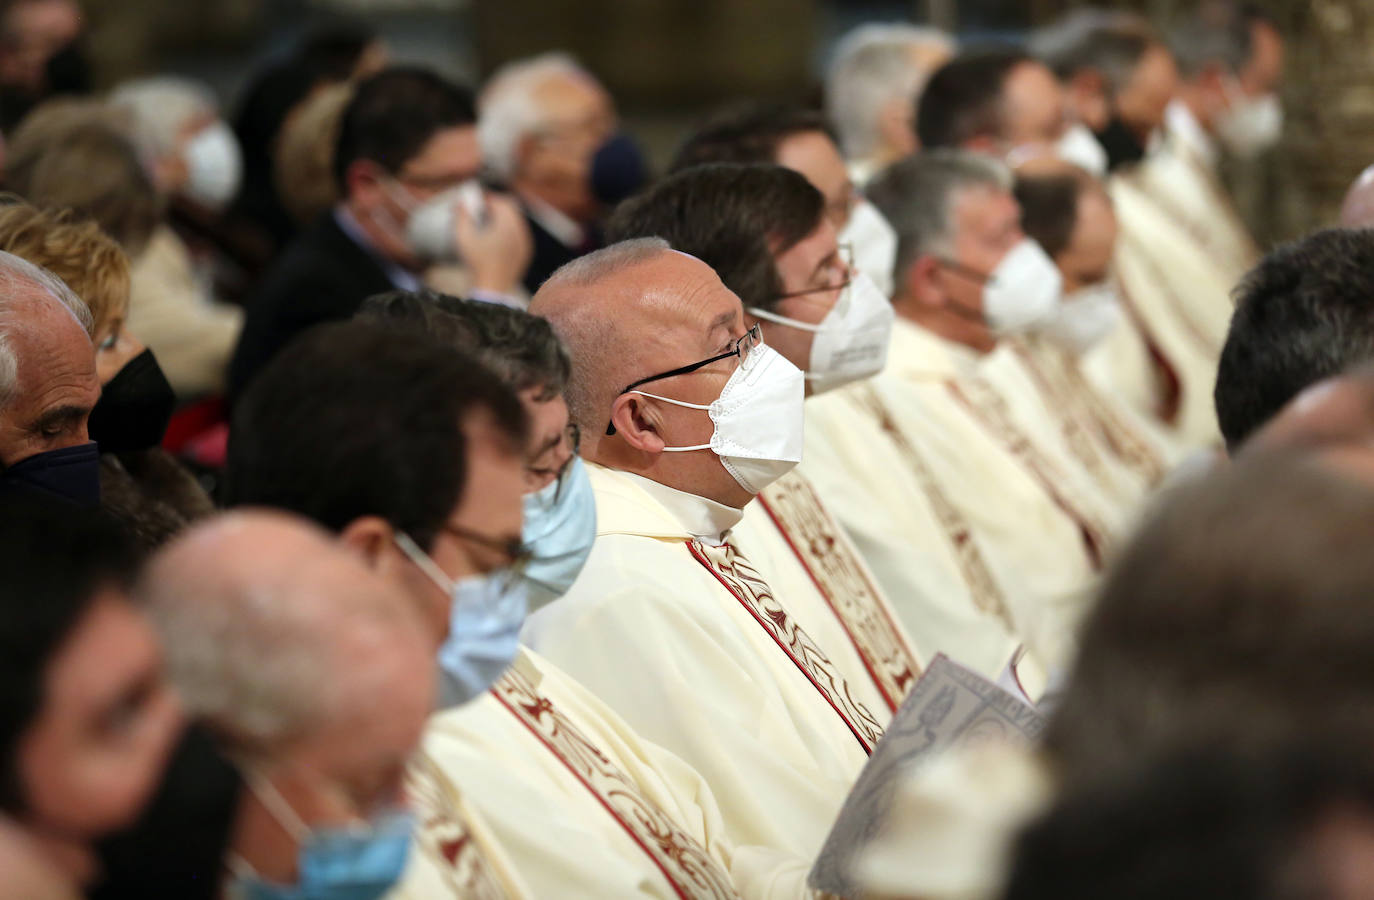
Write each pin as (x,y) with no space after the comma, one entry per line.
(277,635)
(629,313)
(609,309)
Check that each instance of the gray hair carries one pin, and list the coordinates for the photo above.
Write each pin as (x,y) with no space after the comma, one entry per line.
(1107,41)
(18,280)
(1217,34)
(268,653)
(160,107)
(508,111)
(590,335)
(872,66)
(917,194)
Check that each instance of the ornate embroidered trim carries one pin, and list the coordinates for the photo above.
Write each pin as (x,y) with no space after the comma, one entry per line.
(842,579)
(1063,387)
(990,410)
(682,860)
(982,587)
(1166,373)
(738,577)
(442,834)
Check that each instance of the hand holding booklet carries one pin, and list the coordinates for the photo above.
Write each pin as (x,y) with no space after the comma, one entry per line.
(949,706)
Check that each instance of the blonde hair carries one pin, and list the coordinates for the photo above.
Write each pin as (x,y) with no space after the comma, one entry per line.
(87,260)
(304,168)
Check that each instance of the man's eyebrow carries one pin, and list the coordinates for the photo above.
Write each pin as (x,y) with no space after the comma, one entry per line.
(724,320)
(547,446)
(60,415)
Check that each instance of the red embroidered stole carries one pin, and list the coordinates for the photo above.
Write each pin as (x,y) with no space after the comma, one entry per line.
(442,834)
(740,578)
(982,587)
(1063,388)
(989,409)
(682,860)
(842,579)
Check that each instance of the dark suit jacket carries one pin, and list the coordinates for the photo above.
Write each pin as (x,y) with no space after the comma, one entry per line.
(550,253)
(323,276)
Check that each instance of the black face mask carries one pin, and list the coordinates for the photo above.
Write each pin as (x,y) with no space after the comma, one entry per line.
(69,71)
(134,407)
(618,170)
(71,474)
(176,848)
(1121,144)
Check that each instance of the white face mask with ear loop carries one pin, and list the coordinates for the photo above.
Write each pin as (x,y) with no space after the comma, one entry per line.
(1023,291)
(1081,147)
(758,417)
(1250,125)
(873,242)
(851,341)
(1084,318)
(214,166)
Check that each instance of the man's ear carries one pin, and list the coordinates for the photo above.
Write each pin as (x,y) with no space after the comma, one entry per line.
(637,423)
(370,537)
(923,282)
(363,178)
(896,125)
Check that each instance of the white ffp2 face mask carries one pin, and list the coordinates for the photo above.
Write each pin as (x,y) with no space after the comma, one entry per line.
(430,230)
(214,167)
(758,418)
(1252,124)
(1081,147)
(1084,318)
(1022,291)
(873,241)
(851,341)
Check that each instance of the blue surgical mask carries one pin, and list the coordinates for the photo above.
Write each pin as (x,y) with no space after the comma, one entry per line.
(560,528)
(358,863)
(486,614)
(71,473)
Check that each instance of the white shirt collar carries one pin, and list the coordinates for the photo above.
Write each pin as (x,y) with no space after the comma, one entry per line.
(1184,127)
(556,222)
(704,519)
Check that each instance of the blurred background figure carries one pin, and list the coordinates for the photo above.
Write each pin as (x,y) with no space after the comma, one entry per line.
(550,131)
(41,55)
(875,77)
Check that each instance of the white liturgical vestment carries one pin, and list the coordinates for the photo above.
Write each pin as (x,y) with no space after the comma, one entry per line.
(917,543)
(1180,300)
(1181,178)
(674,629)
(1046,529)
(558,790)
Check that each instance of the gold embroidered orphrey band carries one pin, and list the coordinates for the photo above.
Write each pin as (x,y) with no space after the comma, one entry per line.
(682,860)
(982,587)
(443,835)
(734,572)
(834,567)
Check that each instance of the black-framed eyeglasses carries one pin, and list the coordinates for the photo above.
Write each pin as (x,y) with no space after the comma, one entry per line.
(846,256)
(744,348)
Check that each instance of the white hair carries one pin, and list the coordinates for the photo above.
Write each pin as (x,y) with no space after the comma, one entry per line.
(18,278)
(268,649)
(873,66)
(507,110)
(160,107)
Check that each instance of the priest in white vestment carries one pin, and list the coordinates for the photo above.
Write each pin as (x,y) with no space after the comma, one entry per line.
(686,416)
(967,279)
(1231,66)
(536,740)
(764,230)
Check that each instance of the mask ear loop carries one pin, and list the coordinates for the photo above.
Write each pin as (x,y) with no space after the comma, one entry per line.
(276,805)
(682,403)
(423,562)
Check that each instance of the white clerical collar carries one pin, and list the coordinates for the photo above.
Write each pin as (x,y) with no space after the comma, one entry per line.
(861,171)
(704,519)
(555,222)
(1184,127)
